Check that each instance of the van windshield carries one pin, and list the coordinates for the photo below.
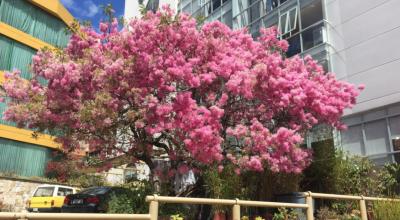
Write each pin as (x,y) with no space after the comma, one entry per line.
(44,192)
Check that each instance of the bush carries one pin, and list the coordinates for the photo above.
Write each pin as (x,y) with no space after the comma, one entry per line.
(224,185)
(122,204)
(360,176)
(339,173)
(333,171)
(322,174)
(85,180)
(285,214)
(132,198)
(392,179)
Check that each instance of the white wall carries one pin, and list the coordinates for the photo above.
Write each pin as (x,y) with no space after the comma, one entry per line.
(132,7)
(364,35)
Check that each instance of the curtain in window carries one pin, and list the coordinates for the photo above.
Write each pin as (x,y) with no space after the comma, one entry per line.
(34,21)
(22,158)
(14,55)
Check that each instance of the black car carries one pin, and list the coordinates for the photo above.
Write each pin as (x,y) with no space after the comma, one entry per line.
(91,200)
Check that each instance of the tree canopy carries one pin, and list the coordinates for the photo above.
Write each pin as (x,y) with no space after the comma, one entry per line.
(164,86)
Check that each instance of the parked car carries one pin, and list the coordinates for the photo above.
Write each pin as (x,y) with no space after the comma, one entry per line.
(92,200)
(49,198)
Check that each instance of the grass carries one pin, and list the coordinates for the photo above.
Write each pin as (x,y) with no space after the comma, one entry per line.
(386,210)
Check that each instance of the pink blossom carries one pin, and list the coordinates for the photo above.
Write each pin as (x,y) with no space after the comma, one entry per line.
(220,168)
(196,94)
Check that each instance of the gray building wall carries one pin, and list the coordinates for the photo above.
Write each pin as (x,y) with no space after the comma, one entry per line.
(358,40)
(364,35)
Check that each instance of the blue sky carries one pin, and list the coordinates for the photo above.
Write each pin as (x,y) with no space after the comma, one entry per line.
(91,10)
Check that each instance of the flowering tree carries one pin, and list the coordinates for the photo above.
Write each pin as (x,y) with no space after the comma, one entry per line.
(163,86)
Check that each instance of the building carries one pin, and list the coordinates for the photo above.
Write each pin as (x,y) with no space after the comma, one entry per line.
(355,39)
(132,7)
(25,27)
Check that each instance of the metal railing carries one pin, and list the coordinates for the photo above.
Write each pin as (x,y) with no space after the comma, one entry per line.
(235,203)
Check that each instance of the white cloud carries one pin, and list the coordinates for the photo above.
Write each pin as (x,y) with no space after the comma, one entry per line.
(86,8)
(67,3)
(92,9)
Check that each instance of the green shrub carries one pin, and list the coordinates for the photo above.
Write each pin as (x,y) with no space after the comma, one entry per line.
(86,180)
(131,199)
(176,217)
(223,185)
(121,204)
(285,214)
(392,179)
(333,171)
(322,175)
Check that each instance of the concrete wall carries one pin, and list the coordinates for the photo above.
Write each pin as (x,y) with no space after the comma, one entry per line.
(14,193)
(364,37)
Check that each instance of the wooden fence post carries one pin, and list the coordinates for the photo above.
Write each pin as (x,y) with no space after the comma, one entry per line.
(236,211)
(363,209)
(153,209)
(310,208)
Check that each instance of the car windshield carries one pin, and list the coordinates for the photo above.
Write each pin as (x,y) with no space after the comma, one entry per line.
(44,192)
(95,191)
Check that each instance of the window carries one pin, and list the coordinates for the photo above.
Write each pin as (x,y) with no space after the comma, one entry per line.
(216,4)
(153,5)
(44,192)
(311,13)
(187,8)
(376,137)
(203,2)
(271,4)
(255,12)
(288,21)
(255,29)
(294,46)
(352,140)
(64,191)
(227,18)
(270,20)
(395,135)
(313,36)
(375,134)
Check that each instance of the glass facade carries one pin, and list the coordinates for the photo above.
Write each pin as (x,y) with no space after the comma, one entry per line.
(15,55)
(300,22)
(25,159)
(22,158)
(375,134)
(210,10)
(34,21)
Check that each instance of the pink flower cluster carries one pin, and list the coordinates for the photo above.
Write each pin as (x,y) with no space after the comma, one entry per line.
(196,94)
